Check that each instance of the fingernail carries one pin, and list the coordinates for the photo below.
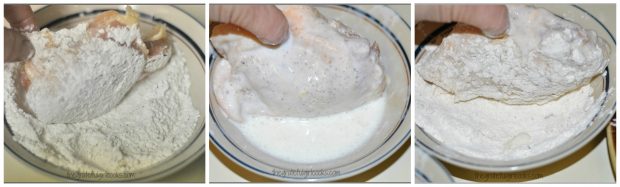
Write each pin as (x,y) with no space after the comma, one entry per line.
(497,32)
(31,51)
(273,41)
(494,35)
(267,41)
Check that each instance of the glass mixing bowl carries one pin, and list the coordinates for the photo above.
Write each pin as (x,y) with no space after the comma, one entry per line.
(603,83)
(392,34)
(429,170)
(186,31)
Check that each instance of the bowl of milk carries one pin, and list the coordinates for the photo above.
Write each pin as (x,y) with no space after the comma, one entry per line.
(335,146)
(488,135)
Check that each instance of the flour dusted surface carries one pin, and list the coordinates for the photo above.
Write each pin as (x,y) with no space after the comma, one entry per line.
(154,121)
(75,77)
(490,129)
(494,130)
(542,58)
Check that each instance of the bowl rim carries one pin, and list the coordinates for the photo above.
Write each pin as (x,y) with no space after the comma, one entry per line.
(198,133)
(545,160)
(435,163)
(611,145)
(403,122)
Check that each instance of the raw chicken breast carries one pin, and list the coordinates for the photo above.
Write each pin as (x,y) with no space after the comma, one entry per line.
(81,73)
(542,58)
(323,68)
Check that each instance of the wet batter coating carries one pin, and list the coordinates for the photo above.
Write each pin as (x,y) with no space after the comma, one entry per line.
(323,68)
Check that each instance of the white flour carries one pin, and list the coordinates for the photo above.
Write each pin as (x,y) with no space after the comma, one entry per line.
(152,122)
(75,77)
(542,58)
(494,130)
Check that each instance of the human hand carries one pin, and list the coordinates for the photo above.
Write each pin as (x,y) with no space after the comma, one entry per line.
(16,46)
(491,19)
(266,22)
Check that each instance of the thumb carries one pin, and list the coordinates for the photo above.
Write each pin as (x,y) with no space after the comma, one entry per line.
(491,19)
(20,17)
(266,22)
(16,46)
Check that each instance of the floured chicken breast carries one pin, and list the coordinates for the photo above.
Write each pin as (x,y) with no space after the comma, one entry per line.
(80,73)
(323,68)
(542,58)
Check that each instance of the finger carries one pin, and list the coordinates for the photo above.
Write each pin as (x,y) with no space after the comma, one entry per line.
(491,19)
(20,17)
(265,21)
(17,47)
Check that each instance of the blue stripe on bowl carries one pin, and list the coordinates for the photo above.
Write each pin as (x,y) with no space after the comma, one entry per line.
(422,176)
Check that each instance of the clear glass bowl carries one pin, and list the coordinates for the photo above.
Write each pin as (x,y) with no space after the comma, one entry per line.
(185,30)
(429,170)
(605,82)
(392,34)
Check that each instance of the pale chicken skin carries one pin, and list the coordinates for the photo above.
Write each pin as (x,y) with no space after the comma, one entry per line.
(71,80)
(323,68)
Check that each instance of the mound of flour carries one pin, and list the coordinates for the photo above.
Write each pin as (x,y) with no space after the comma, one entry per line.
(152,122)
(490,129)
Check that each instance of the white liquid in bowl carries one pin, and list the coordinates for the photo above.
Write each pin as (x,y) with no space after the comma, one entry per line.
(318,139)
